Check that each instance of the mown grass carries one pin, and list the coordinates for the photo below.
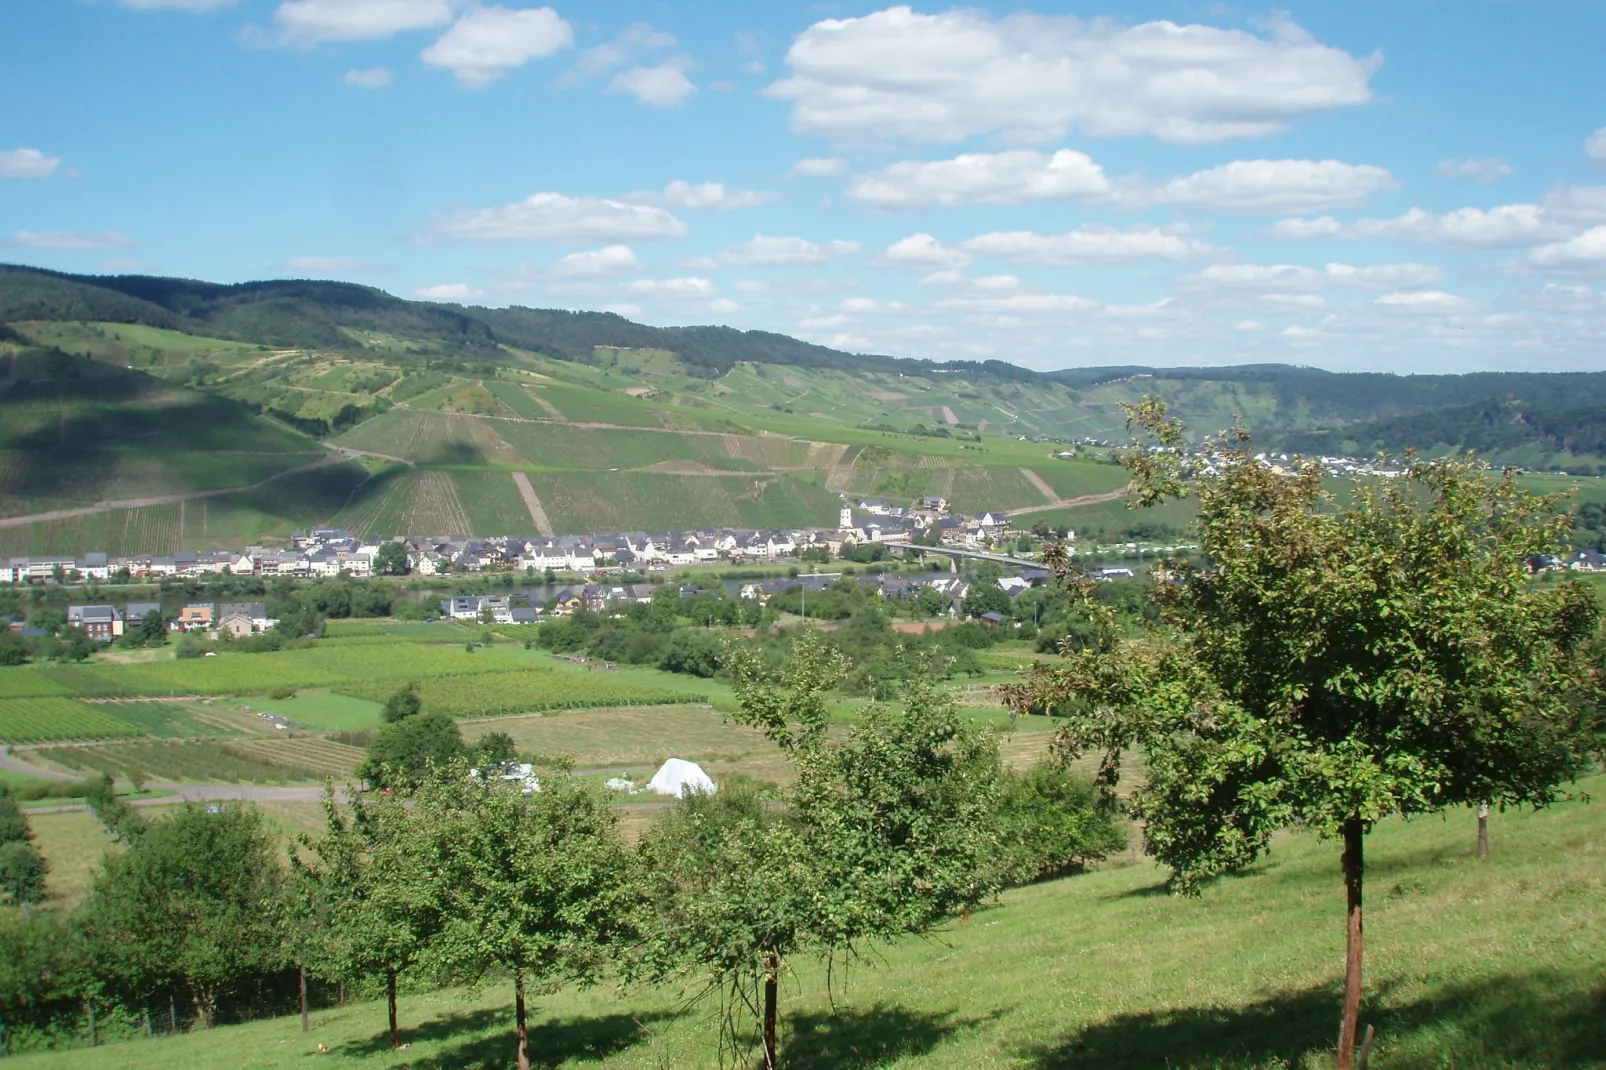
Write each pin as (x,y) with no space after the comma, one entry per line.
(1470,966)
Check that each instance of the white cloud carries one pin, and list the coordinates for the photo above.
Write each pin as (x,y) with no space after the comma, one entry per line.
(1322,227)
(27,163)
(633,40)
(452,292)
(1595,145)
(1293,300)
(178,5)
(860,304)
(1585,251)
(723,306)
(1248,326)
(595,263)
(923,251)
(1266,186)
(370,77)
(767,251)
(1295,277)
(704,196)
(70,240)
(487,42)
(1021,303)
(325,265)
(946,77)
(1576,204)
(629,312)
(683,289)
(663,86)
(1088,245)
(556,217)
(821,166)
(1504,227)
(310,22)
(1478,168)
(1432,302)
(1017,177)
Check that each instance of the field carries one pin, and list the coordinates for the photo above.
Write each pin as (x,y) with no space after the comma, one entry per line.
(527,691)
(41,720)
(1471,967)
(266,761)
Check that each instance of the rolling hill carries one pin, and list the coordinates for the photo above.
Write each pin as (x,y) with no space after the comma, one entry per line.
(151,413)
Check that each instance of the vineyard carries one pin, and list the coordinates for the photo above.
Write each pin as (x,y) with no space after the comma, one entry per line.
(322,756)
(44,720)
(526,691)
(29,683)
(193,762)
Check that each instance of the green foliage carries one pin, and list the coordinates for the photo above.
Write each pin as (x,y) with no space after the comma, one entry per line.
(391,560)
(22,873)
(403,753)
(189,907)
(1051,822)
(986,597)
(13,823)
(402,704)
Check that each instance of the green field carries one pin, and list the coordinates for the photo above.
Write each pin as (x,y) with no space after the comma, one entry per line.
(1470,966)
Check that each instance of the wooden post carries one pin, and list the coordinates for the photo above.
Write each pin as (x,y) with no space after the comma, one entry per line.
(1354,867)
(304,1024)
(518,1011)
(772,971)
(172,1014)
(1483,831)
(1366,1049)
(89,1009)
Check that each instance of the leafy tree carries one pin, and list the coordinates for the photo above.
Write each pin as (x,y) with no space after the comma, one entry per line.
(150,631)
(401,754)
(403,704)
(191,905)
(367,899)
(495,749)
(13,649)
(892,820)
(538,885)
(391,560)
(118,817)
(22,872)
(927,602)
(986,597)
(13,822)
(1345,659)
(1051,822)
(692,651)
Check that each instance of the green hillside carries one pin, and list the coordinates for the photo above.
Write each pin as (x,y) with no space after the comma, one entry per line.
(161,414)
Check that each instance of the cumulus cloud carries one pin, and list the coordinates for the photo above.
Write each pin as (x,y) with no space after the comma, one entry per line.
(1595,145)
(70,240)
(924,252)
(767,251)
(1089,245)
(596,263)
(311,22)
(1478,168)
(1018,177)
(1297,277)
(487,42)
(370,77)
(1265,186)
(633,41)
(1505,227)
(1586,251)
(1434,302)
(458,293)
(723,306)
(324,265)
(946,77)
(703,196)
(821,166)
(683,289)
(27,163)
(1576,204)
(663,86)
(1021,303)
(556,217)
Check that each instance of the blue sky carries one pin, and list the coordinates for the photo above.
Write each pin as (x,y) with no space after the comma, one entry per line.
(1363,185)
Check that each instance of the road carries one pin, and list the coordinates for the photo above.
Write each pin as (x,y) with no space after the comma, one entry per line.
(1067,503)
(537,511)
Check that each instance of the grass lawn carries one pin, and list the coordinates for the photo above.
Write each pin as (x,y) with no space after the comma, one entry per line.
(1470,966)
(322,710)
(72,843)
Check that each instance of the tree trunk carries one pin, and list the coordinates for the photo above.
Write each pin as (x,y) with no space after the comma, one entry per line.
(89,1009)
(304,1025)
(1354,866)
(172,1014)
(390,997)
(1483,831)
(772,973)
(519,1028)
(340,993)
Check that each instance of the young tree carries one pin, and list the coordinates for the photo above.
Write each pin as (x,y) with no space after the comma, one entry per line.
(891,822)
(367,901)
(391,560)
(539,885)
(191,905)
(22,867)
(1343,659)
(402,754)
(404,703)
(986,597)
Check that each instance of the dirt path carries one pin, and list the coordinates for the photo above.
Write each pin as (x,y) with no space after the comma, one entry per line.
(948,416)
(1049,494)
(533,504)
(367,453)
(166,499)
(1068,503)
(536,397)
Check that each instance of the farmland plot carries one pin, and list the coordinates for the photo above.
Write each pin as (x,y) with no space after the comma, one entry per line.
(191,762)
(30,682)
(41,720)
(527,691)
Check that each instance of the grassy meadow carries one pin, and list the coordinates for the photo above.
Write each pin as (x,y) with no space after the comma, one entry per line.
(1471,966)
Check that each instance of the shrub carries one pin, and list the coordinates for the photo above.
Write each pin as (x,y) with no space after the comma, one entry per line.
(1051,823)
(283,691)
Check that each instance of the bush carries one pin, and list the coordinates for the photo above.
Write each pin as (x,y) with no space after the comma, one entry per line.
(283,691)
(1051,823)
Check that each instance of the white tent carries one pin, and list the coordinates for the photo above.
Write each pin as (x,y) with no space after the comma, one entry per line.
(679,777)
